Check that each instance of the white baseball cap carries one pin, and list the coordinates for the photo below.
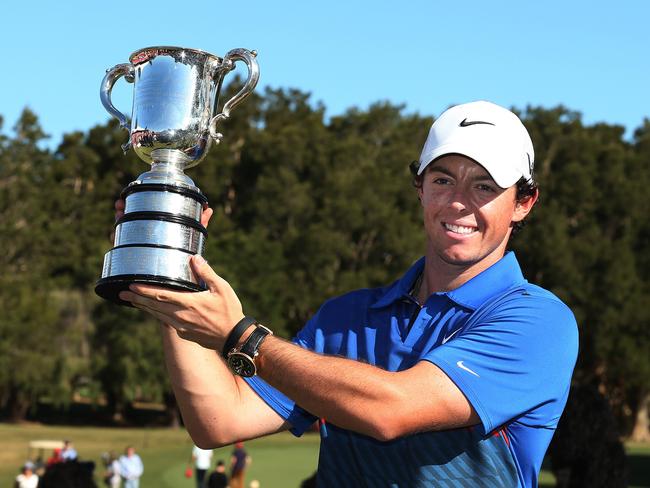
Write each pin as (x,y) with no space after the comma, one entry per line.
(489,134)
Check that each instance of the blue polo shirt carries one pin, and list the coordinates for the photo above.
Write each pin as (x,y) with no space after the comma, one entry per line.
(508,345)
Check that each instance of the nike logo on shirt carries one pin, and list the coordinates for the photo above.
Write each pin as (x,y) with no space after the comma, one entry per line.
(446,338)
(462,366)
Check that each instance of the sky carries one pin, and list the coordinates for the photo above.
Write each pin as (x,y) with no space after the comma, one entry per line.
(590,56)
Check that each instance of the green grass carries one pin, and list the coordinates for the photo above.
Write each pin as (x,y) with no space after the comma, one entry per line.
(279,461)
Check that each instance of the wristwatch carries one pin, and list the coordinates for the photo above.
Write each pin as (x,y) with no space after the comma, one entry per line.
(242,361)
(236,333)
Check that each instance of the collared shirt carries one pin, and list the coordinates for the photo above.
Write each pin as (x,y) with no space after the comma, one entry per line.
(69,454)
(202,457)
(131,467)
(509,346)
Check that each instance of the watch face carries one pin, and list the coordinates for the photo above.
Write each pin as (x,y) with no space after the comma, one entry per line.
(241,364)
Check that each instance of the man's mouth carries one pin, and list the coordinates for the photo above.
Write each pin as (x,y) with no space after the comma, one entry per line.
(459,229)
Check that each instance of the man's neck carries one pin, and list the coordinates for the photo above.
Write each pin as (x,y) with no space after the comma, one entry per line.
(441,276)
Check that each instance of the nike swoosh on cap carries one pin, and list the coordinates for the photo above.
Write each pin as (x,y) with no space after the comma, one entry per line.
(462,366)
(465,123)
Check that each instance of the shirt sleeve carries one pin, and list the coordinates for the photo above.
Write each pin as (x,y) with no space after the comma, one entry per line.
(284,406)
(516,363)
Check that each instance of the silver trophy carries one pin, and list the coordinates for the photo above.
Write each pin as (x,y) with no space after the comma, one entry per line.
(174,121)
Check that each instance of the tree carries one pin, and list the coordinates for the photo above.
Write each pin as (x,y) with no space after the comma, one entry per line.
(585,243)
(31,364)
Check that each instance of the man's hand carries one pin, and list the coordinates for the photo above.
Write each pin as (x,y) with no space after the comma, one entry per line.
(203,317)
(155,300)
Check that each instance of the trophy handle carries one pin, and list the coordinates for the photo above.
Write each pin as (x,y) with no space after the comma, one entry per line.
(253,76)
(112,75)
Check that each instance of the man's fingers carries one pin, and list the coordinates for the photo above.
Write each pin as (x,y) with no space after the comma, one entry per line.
(153,298)
(159,294)
(206,216)
(205,273)
(119,209)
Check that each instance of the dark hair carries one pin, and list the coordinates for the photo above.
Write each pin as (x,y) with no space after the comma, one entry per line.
(525,190)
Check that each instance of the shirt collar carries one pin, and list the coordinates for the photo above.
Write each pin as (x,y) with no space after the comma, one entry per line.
(401,287)
(494,280)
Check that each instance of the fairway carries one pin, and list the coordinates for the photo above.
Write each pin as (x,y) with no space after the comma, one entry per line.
(279,461)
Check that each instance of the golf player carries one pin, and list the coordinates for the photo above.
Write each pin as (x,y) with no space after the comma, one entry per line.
(456,374)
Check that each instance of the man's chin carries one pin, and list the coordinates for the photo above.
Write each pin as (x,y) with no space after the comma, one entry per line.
(457,260)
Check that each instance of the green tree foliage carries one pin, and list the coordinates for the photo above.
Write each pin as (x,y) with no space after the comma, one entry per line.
(306,207)
(587,242)
(31,365)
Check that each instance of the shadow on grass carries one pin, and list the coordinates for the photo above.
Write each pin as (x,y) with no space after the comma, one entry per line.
(638,464)
(639,469)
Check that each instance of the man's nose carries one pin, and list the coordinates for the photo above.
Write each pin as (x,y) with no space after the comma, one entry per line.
(458,200)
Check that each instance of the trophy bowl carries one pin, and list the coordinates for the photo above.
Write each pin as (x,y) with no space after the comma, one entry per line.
(173,123)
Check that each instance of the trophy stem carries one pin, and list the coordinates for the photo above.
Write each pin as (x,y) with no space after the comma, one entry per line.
(166,173)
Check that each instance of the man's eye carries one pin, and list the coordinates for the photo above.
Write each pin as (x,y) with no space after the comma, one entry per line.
(441,181)
(487,188)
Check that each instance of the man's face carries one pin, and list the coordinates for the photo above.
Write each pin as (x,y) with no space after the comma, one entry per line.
(467,216)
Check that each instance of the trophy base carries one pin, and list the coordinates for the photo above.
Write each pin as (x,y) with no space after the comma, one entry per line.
(110,288)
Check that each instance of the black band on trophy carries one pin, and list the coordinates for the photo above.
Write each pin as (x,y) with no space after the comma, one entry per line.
(164,217)
(236,333)
(186,192)
(110,288)
(157,246)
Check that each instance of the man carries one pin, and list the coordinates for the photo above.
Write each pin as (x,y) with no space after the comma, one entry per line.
(218,478)
(454,375)
(131,468)
(239,461)
(202,458)
(68,453)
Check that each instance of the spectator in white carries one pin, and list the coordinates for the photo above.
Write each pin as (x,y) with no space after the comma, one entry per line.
(131,468)
(27,478)
(202,458)
(113,478)
(68,453)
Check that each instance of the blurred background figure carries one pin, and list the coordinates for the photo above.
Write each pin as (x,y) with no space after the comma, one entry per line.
(54,458)
(112,476)
(218,478)
(131,468)
(309,482)
(27,478)
(68,453)
(70,474)
(239,461)
(202,459)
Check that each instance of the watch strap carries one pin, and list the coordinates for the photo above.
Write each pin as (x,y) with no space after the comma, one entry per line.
(254,341)
(236,333)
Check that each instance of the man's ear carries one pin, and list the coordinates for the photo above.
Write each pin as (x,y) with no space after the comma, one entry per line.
(524,206)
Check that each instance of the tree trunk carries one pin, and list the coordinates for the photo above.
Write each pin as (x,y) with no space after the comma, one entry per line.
(641,429)
(17,406)
(171,411)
